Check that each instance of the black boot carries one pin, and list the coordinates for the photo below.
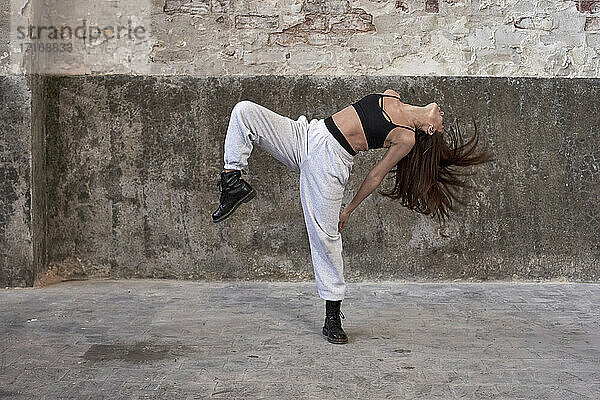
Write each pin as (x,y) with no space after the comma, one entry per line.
(234,191)
(333,323)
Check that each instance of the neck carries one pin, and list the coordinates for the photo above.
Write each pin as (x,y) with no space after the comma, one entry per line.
(418,116)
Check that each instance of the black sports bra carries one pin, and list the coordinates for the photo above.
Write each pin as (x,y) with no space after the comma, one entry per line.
(375,126)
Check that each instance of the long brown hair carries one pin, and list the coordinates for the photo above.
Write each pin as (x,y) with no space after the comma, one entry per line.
(426,176)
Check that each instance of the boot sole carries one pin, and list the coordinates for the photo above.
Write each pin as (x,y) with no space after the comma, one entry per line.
(244,199)
(330,340)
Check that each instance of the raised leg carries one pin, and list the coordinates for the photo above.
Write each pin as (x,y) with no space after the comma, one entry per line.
(280,136)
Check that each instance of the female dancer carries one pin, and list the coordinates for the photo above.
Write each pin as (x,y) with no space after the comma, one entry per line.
(323,150)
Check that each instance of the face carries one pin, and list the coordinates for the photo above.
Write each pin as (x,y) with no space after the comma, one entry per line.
(436,124)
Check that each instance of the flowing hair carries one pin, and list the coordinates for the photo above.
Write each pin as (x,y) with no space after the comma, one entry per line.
(426,176)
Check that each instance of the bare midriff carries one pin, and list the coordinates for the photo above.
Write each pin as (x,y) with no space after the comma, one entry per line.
(348,122)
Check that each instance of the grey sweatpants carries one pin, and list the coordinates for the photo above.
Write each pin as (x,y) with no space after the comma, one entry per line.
(324,167)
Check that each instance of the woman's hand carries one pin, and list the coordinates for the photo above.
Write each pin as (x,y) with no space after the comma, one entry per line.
(344,216)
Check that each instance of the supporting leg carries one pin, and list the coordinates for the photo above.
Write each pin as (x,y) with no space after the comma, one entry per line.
(321,194)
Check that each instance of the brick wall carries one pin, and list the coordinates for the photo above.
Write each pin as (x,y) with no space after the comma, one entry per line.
(404,37)
(335,37)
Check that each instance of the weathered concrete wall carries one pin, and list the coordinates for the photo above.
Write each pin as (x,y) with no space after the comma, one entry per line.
(4,39)
(16,251)
(22,158)
(133,162)
(343,42)
(16,16)
(38,178)
(326,37)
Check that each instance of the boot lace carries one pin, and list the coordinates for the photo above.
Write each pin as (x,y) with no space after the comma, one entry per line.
(333,317)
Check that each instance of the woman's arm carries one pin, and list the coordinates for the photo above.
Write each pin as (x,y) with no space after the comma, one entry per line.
(368,186)
(373,179)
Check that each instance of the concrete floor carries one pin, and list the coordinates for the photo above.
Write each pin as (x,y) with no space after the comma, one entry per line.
(151,339)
